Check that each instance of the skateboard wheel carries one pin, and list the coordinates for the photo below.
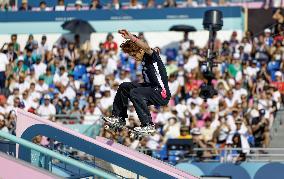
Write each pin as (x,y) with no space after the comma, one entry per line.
(106,127)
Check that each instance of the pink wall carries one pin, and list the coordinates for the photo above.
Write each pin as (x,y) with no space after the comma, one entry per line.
(10,168)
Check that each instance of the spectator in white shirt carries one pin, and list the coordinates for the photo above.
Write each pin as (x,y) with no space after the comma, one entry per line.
(60,6)
(47,110)
(3,64)
(99,77)
(92,114)
(165,114)
(74,84)
(67,92)
(107,99)
(41,87)
(230,100)
(172,128)
(134,4)
(195,97)
(61,77)
(192,62)
(40,67)
(239,91)
(16,93)
(22,84)
(43,47)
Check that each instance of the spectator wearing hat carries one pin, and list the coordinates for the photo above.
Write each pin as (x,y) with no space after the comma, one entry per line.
(198,142)
(20,67)
(235,66)
(260,129)
(24,6)
(107,99)
(41,87)
(99,77)
(35,48)
(39,67)
(78,5)
(278,76)
(48,76)
(47,109)
(267,37)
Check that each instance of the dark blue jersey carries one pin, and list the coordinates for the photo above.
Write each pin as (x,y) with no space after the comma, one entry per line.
(154,72)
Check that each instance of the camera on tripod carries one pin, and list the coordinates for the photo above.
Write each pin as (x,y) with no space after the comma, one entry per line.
(213,22)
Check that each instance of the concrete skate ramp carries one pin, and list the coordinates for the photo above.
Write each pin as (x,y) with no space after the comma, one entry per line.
(30,125)
(11,167)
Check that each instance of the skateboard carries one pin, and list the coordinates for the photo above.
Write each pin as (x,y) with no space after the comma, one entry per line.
(117,127)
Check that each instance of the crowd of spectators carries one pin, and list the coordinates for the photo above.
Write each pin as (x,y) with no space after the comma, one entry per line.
(10,5)
(72,79)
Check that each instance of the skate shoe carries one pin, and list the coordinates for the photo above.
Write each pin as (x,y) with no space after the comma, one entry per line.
(150,128)
(113,120)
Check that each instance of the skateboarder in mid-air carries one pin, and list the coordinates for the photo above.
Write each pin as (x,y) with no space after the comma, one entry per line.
(154,90)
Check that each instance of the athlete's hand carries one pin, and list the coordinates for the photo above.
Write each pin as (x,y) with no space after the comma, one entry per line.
(125,34)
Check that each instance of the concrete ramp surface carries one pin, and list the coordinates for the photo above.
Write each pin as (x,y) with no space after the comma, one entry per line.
(11,168)
(30,125)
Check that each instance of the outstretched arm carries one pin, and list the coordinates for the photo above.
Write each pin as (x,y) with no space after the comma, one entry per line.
(127,35)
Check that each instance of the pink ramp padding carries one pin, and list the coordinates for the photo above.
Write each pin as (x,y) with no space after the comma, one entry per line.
(25,120)
(10,168)
(142,156)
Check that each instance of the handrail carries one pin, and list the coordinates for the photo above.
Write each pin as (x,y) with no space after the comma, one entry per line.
(53,154)
(253,149)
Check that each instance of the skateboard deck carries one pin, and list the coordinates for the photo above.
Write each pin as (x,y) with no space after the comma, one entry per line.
(116,127)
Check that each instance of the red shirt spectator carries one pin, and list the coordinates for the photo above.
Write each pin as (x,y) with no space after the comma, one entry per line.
(110,44)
